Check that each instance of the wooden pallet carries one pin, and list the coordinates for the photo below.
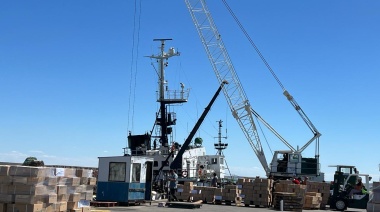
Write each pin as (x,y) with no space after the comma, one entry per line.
(224,202)
(103,204)
(190,205)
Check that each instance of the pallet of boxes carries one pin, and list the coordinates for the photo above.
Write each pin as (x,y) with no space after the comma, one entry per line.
(257,192)
(45,189)
(317,195)
(183,192)
(291,196)
(206,194)
(227,195)
(373,204)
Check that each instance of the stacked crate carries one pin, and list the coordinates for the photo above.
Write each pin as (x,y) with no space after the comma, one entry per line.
(230,192)
(218,194)
(290,201)
(30,189)
(317,191)
(257,192)
(208,194)
(293,195)
(184,191)
(262,191)
(196,193)
(246,187)
(312,200)
(374,202)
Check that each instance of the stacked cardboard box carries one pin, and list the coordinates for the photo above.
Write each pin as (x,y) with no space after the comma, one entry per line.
(246,187)
(289,201)
(312,200)
(257,191)
(218,194)
(208,194)
(196,193)
(322,188)
(31,189)
(292,194)
(230,192)
(184,191)
(374,201)
(262,189)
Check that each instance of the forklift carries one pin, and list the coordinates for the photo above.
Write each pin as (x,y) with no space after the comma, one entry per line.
(341,187)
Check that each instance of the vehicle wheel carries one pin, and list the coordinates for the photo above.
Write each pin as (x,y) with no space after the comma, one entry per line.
(340,205)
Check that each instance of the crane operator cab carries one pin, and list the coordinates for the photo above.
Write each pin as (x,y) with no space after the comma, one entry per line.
(287,164)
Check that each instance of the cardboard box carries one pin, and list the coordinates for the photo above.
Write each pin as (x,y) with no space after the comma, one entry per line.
(51,181)
(35,199)
(28,171)
(69,181)
(62,198)
(28,199)
(83,173)
(4,188)
(31,189)
(5,179)
(65,172)
(84,180)
(24,207)
(3,207)
(89,195)
(7,198)
(61,189)
(72,205)
(92,181)
(86,209)
(4,170)
(28,180)
(75,197)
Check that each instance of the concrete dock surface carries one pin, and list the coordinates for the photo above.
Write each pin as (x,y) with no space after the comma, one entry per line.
(154,206)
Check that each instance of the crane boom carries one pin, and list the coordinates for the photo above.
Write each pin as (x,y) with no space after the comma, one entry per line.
(224,70)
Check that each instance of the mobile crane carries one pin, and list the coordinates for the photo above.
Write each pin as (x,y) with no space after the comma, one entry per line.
(292,162)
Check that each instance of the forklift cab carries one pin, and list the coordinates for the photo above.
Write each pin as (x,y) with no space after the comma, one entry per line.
(341,199)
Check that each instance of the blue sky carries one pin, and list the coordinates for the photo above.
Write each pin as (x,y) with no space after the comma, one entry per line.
(74,79)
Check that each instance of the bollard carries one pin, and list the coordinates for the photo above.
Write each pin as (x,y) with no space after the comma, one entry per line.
(282,205)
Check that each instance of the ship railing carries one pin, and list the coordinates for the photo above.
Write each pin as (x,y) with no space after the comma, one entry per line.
(175,95)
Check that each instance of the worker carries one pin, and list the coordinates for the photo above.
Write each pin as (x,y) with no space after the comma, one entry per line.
(296,181)
(357,188)
(214,181)
(173,181)
(304,182)
(283,163)
(200,173)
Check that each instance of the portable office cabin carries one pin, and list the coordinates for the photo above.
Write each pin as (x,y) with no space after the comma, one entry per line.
(124,179)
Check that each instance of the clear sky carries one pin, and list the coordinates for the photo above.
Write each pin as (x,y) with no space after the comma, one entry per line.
(74,79)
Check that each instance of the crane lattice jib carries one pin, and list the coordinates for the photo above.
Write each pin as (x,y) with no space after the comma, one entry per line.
(224,70)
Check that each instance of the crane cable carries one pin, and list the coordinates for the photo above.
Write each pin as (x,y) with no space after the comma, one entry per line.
(253,44)
(260,55)
(133,70)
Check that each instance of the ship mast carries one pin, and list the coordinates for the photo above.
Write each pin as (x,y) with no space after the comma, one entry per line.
(220,146)
(166,97)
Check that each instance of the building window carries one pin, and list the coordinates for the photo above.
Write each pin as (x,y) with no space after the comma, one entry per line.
(221,161)
(165,164)
(214,161)
(117,172)
(155,163)
(136,171)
